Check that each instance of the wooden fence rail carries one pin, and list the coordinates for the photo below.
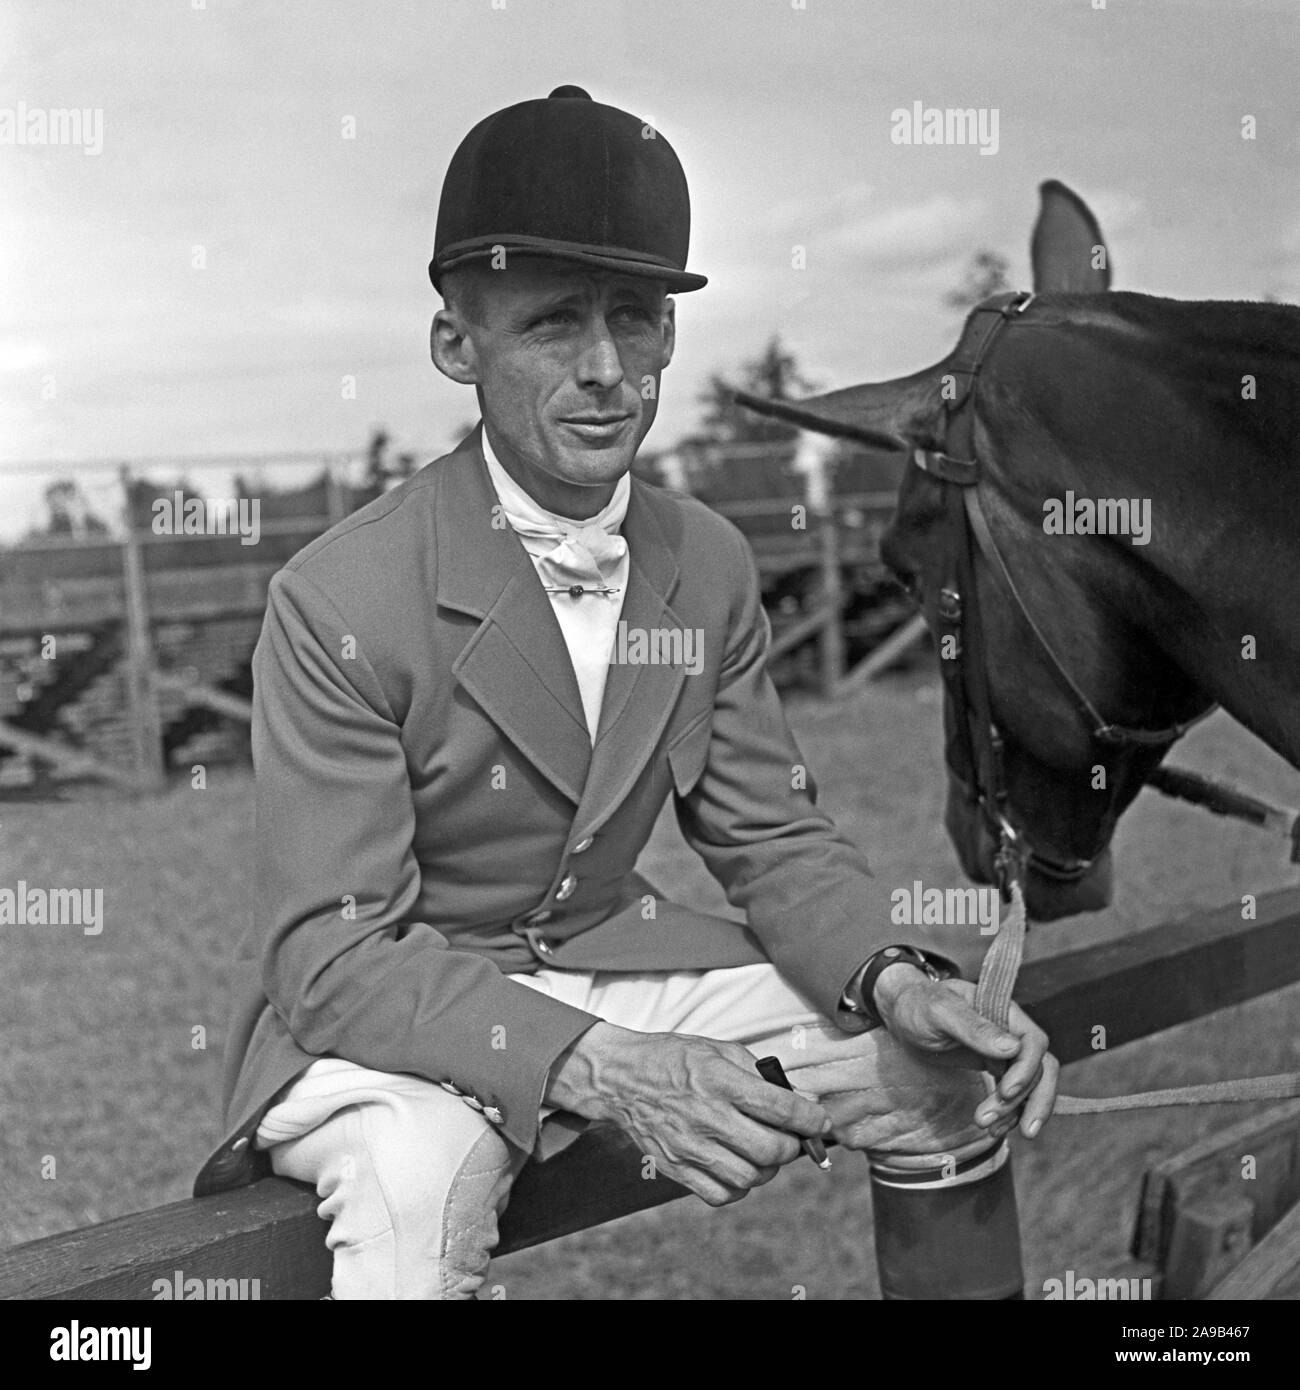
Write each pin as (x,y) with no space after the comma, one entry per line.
(1137,986)
(843,533)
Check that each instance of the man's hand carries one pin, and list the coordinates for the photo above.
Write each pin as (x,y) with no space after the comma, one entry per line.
(938,1018)
(697,1107)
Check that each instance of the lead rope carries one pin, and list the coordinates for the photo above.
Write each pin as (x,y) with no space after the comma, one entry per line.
(993,992)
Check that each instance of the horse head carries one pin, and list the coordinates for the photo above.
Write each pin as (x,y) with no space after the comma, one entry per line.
(1063,786)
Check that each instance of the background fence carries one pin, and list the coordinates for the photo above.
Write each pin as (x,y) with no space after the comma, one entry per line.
(125,651)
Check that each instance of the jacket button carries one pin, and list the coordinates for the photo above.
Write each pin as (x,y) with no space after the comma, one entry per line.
(565,891)
(473,1102)
(538,942)
(451,1088)
(239,1144)
(493,1114)
(583,845)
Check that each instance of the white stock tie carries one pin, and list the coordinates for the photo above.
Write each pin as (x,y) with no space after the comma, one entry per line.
(587,556)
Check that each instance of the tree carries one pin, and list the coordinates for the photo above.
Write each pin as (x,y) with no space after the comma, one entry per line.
(986,275)
(699,466)
(774,374)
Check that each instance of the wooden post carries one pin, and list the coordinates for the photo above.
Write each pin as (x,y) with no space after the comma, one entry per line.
(334,502)
(832,642)
(813,459)
(146,722)
(673,471)
(1274,1260)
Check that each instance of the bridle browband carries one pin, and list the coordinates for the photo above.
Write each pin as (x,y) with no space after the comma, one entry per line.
(957,613)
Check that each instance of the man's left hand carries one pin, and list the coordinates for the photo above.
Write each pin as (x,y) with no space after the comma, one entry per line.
(938,1018)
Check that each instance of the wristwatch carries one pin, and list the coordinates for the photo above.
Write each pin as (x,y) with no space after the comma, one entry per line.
(857,998)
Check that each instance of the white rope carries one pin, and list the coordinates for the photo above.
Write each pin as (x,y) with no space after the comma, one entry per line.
(997,982)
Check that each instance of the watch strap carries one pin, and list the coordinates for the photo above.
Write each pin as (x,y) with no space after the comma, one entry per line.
(858,997)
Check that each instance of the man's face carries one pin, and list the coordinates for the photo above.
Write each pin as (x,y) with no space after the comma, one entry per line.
(567,362)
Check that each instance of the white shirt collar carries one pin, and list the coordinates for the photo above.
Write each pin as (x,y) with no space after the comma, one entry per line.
(520,507)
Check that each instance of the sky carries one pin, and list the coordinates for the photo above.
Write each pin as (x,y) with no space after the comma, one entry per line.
(204,282)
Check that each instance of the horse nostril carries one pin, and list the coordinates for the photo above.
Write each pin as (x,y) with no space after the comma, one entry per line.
(907,580)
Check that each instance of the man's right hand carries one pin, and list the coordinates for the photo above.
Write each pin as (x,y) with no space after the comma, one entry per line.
(696,1107)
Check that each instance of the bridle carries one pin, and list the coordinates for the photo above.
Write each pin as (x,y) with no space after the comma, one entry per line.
(965,675)
(957,616)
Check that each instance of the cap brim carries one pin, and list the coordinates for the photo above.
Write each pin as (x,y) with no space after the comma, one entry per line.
(677,281)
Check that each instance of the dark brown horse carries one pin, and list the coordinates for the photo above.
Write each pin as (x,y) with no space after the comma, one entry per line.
(1133,544)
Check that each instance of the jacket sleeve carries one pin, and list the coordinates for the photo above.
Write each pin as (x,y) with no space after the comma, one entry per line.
(808,892)
(343,963)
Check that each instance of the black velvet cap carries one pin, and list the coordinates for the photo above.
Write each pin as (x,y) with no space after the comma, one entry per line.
(571,179)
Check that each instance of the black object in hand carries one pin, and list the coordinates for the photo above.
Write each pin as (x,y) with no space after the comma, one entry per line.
(770,1069)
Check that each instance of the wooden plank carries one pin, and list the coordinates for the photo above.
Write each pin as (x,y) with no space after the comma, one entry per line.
(1213,1166)
(798,632)
(1207,1238)
(312,524)
(781,556)
(63,755)
(873,503)
(1274,1259)
(883,656)
(201,693)
(179,465)
(598,1178)
(269,1231)
(1138,986)
(1163,976)
(207,591)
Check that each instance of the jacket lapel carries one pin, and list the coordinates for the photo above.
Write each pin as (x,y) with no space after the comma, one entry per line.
(515,666)
(639,699)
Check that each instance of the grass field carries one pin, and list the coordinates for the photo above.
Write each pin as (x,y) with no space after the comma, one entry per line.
(100,1072)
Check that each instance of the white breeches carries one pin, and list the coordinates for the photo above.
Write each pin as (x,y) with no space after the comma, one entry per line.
(412,1177)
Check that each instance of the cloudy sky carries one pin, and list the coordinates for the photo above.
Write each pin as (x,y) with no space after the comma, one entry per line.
(223,129)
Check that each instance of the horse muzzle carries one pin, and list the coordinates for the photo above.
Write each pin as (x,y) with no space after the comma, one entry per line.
(1051,890)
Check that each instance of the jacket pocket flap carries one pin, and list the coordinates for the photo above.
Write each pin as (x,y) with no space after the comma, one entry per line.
(688,754)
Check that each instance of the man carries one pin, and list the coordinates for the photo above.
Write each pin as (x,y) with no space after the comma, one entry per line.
(452,956)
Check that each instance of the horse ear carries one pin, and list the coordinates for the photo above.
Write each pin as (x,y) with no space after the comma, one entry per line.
(844,414)
(1067,250)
